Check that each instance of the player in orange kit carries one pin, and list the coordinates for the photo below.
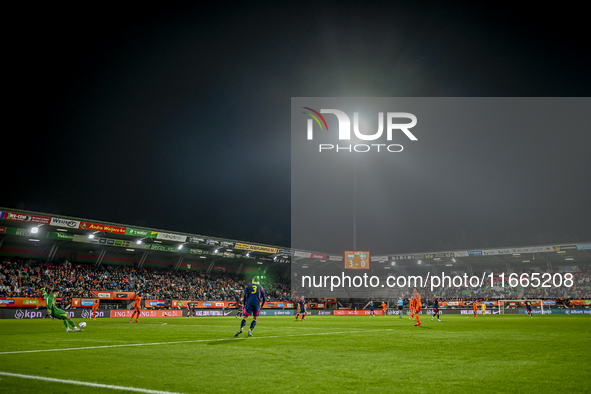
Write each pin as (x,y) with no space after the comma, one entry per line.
(418,307)
(475,308)
(137,308)
(384,308)
(95,307)
(411,307)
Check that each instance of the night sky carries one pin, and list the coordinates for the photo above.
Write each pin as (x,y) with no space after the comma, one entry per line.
(178,118)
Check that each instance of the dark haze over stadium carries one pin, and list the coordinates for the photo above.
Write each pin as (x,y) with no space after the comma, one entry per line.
(178,118)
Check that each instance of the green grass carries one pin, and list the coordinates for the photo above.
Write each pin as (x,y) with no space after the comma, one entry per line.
(324,354)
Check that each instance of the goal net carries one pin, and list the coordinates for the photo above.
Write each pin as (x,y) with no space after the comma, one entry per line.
(516,304)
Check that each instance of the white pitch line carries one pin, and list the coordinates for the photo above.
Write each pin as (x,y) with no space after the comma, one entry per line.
(88,384)
(193,341)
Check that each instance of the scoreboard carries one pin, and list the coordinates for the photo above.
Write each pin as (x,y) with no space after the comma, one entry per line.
(356,260)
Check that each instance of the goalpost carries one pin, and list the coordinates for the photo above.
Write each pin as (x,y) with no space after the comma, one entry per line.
(506,304)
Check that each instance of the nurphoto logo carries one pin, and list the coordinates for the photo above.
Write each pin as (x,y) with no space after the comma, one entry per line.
(344,122)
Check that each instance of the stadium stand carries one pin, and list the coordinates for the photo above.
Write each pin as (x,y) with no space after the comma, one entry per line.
(26,277)
(20,277)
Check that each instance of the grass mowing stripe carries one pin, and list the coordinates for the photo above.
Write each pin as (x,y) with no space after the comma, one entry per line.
(89,384)
(193,341)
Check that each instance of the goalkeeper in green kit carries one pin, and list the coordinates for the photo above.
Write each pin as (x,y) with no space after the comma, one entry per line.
(56,312)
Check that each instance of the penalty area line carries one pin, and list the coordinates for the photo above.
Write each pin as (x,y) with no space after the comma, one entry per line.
(88,384)
(193,341)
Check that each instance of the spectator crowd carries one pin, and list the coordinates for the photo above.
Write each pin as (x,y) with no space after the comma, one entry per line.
(26,278)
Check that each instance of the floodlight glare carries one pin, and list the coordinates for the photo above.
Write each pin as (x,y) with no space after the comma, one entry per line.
(34,230)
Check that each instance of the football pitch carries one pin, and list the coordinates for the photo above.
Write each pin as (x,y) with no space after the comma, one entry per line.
(324,354)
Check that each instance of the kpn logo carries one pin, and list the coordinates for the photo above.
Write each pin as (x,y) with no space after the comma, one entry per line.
(396,123)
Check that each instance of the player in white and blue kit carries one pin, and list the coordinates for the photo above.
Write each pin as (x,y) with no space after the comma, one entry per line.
(254,299)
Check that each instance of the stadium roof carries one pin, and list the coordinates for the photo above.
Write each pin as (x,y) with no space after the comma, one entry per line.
(55,231)
(76,235)
(555,255)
